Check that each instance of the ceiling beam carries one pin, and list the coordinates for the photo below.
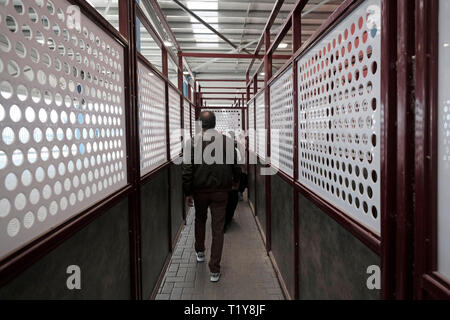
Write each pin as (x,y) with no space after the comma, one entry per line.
(223,80)
(169,31)
(221,98)
(207,63)
(273,15)
(234,92)
(164,22)
(221,36)
(229,55)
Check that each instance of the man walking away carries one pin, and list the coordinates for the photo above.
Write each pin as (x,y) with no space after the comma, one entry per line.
(207,183)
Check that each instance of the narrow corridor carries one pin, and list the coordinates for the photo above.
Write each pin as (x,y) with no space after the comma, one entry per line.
(339,111)
(247,273)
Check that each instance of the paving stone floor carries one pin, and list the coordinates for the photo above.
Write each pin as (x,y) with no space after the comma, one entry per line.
(247,273)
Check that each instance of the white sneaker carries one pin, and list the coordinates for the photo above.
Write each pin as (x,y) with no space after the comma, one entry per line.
(200,256)
(215,277)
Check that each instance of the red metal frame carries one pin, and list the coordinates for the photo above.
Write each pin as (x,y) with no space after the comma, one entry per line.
(428,283)
(230,55)
(408,142)
(405,147)
(273,15)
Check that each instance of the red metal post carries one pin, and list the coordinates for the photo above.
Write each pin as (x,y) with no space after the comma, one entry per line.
(180,72)
(267,76)
(388,146)
(405,147)
(127,18)
(296,44)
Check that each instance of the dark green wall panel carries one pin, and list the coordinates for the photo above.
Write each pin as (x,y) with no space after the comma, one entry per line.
(251,183)
(333,263)
(155,231)
(101,250)
(282,213)
(261,198)
(177,204)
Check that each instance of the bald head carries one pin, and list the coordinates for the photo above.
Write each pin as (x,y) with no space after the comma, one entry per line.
(208,119)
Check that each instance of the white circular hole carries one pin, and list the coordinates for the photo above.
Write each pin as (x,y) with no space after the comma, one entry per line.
(22,92)
(5,44)
(34,196)
(8,136)
(45,154)
(40,174)
(2,112)
(6,90)
(5,208)
(24,135)
(28,220)
(20,202)
(17,158)
(47,192)
(28,73)
(15,113)
(37,135)
(42,214)
(53,208)
(3,160)
(13,227)
(27,178)
(51,172)
(13,69)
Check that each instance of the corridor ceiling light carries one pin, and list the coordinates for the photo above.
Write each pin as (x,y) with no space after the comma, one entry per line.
(203,5)
(446,45)
(283,45)
(168,43)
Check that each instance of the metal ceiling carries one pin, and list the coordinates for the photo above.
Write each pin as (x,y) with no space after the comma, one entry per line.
(240,22)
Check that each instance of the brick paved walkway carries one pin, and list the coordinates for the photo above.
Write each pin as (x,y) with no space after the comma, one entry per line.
(247,273)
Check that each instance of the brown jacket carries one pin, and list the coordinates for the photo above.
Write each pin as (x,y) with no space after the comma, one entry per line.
(201,177)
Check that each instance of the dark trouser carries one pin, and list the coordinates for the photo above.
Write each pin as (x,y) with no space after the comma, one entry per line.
(217,202)
(232,203)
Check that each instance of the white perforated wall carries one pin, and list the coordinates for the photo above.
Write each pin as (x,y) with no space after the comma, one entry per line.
(261,133)
(443,223)
(62,118)
(193,120)
(339,115)
(152,120)
(175,123)
(282,123)
(251,126)
(227,120)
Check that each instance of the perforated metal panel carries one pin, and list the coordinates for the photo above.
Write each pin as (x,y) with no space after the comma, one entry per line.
(62,118)
(251,125)
(339,115)
(175,123)
(193,129)
(261,133)
(152,120)
(227,120)
(443,223)
(282,123)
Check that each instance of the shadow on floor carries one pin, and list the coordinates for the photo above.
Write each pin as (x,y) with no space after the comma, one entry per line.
(247,273)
